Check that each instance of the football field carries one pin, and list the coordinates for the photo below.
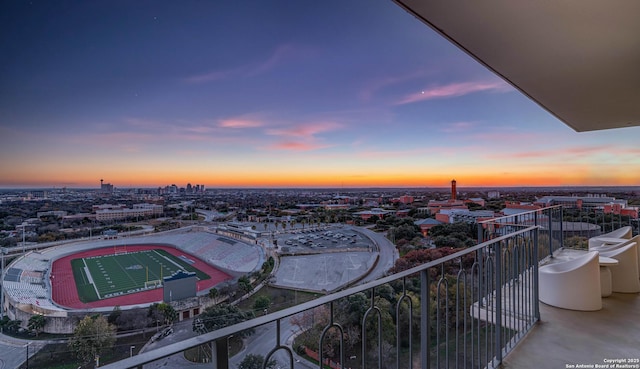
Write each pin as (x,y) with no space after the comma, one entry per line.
(100,277)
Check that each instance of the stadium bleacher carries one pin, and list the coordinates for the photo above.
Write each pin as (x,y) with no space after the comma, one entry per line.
(26,280)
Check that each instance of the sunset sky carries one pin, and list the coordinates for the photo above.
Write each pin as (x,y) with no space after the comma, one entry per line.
(270,94)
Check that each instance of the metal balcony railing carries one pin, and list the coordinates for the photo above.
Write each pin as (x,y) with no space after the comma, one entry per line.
(550,236)
(560,226)
(464,310)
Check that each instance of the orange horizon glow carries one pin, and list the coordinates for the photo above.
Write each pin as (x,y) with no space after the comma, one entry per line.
(321,180)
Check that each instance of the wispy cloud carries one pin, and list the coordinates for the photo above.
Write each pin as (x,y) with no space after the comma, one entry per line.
(298,146)
(507,135)
(240,123)
(453,90)
(214,76)
(133,134)
(577,152)
(386,154)
(201,129)
(457,127)
(304,130)
(302,137)
(281,54)
(142,123)
(374,86)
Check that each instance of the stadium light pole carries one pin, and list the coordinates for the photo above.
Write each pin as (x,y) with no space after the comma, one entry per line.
(23,238)
(3,251)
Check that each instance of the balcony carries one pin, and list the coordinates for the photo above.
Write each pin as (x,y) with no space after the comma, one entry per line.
(482,308)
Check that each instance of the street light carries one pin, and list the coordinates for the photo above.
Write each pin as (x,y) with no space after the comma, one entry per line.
(131,350)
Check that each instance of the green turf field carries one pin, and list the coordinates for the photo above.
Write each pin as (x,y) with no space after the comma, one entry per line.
(99,277)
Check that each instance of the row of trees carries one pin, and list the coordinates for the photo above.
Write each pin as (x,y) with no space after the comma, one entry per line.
(349,313)
(96,334)
(448,303)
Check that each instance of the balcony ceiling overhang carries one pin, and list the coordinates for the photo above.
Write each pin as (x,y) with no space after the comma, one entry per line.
(578,59)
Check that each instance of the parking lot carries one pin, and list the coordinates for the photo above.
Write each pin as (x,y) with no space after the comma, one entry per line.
(324,238)
(323,259)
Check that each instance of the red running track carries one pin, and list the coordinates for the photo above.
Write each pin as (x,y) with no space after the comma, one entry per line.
(65,293)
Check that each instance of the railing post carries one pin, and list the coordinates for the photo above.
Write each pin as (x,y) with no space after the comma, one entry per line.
(498,301)
(561,227)
(550,232)
(220,353)
(425,302)
(536,301)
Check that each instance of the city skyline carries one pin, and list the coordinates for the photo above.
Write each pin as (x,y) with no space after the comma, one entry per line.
(279,94)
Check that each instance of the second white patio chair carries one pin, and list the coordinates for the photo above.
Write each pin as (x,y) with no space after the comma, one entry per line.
(623,232)
(624,276)
(604,248)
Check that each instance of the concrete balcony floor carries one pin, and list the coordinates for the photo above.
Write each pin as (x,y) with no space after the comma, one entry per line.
(566,337)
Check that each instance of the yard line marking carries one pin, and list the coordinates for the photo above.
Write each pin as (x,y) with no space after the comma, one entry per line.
(169,260)
(125,272)
(145,253)
(88,272)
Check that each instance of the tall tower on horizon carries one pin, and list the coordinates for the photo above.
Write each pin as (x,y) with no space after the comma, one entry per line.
(453,190)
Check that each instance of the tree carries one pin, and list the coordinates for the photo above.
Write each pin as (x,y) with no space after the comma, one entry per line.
(92,336)
(10,326)
(245,284)
(163,312)
(252,361)
(115,314)
(36,323)
(220,316)
(213,294)
(261,303)
(132,319)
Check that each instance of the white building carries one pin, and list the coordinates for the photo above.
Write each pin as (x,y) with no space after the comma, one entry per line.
(138,210)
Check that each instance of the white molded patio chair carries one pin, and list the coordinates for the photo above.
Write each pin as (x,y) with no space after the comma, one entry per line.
(607,247)
(623,232)
(573,284)
(624,276)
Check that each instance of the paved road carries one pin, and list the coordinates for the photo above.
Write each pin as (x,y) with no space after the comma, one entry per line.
(260,343)
(181,331)
(264,340)
(388,255)
(13,352)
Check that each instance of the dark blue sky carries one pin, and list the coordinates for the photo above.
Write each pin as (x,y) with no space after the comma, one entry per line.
(268,93)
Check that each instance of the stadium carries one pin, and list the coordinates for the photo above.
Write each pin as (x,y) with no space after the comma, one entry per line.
(66,282)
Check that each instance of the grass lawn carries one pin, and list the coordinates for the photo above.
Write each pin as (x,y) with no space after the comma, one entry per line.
(280,298)
(105,276)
